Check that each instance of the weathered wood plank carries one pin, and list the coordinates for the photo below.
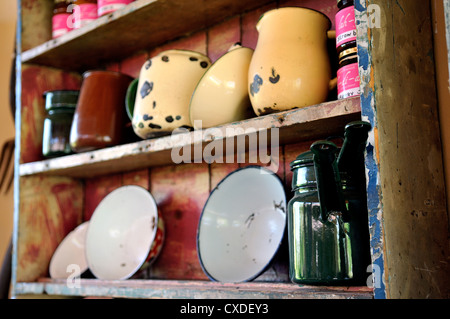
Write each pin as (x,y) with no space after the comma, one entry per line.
(138,26)
(50,207)
(295,125)
(193,290)
(180,192)
(36,19)
(406,189)
(35,81)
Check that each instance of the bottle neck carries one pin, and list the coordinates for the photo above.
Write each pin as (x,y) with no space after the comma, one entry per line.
(342,4)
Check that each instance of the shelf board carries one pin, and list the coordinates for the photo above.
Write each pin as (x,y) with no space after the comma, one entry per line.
(141,25)
(175,289)
(317,121)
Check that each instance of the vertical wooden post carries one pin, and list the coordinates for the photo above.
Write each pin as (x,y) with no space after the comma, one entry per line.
(406,191)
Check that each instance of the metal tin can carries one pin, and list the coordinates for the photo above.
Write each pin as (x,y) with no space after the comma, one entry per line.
(348,74)
(60,20)
(84,12)
(109,6)
(345,25)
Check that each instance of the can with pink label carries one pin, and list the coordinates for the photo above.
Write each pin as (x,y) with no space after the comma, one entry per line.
(61,23)
(348,74)
(84,12)
(108,6)
(345,25)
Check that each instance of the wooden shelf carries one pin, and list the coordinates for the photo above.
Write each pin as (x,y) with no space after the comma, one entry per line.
(190,289)
(143,24)
(294,126)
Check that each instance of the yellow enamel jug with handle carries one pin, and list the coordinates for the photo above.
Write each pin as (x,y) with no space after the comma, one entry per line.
(290,67)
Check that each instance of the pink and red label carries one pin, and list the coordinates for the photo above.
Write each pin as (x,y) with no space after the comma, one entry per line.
(348,81)
(345,26)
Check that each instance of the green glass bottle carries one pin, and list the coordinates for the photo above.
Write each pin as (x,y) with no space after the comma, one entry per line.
(351,168)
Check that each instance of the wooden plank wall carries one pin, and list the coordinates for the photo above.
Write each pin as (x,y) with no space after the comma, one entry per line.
(179,190)
(50,208)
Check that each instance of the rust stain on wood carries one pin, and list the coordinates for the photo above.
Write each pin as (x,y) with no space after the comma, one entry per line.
(180,192)
(35,81)
(50,208)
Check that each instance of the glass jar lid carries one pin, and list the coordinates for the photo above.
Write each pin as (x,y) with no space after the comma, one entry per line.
(303,171)
(303,159)
(61,99)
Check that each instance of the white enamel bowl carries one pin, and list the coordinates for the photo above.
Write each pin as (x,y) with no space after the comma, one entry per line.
(69,256)
(221,95)
(122,230)
(242,225)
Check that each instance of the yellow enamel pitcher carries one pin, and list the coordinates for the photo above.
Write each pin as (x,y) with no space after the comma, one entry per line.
(290,67)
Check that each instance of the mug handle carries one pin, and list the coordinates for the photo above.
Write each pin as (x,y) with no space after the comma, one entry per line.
(331,34)
(130,98)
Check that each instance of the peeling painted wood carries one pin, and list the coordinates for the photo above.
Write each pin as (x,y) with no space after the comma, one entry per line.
(406,192)
(368,110)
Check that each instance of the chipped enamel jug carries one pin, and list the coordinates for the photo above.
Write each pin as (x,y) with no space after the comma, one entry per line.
(158,101)
(290,67)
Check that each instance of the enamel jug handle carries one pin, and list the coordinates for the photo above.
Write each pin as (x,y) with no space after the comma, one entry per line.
(331,34)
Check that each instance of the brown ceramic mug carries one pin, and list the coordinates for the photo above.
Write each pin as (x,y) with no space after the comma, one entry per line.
(100,116)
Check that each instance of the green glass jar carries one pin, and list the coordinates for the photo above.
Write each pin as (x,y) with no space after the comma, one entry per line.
(60,107)
(318,248)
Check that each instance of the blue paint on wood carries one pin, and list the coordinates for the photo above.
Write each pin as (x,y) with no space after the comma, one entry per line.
(368,111)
